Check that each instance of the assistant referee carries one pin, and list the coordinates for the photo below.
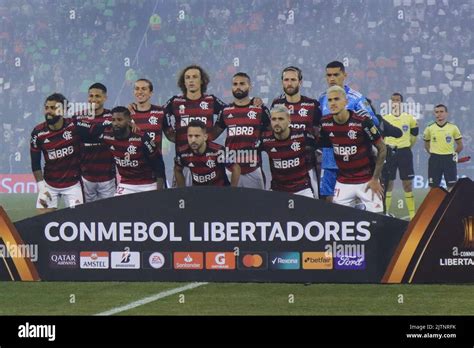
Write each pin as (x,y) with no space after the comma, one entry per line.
(443,141)
(399,154)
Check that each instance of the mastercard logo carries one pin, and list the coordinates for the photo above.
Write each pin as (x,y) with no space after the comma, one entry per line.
(253,261)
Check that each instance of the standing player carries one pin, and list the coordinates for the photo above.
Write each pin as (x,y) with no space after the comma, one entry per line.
(138,159)
(193,104)
(97,164)
(440,137)
(287,148)
(335,76)
(58,140)
(205,160)
(399,154)
(148,117)
(305,114)
(352,135)
(244,123)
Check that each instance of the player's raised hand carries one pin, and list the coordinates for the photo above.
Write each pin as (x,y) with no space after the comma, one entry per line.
(257,101)
(376,187)
(132,107)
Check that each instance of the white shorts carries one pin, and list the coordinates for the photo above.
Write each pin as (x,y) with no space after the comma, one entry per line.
(306,192)
(93,191)
(251,180)
(71,195)
(314,182)
(127,189)
(347,194)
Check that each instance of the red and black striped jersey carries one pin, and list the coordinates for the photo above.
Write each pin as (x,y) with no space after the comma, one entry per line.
(153,122)
(288,160)
(181,110)
(352,144)
(61,152)
(97,163)
(244,126)
(207,168)
(137,157)
(305,115)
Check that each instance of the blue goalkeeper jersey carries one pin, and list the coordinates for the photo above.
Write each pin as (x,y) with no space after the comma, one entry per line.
(356,102)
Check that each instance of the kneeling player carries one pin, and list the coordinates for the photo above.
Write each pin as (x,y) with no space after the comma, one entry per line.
(287,148)
(206,160)
(352,135)
(138,159)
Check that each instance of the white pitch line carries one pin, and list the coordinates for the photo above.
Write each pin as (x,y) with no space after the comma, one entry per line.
(150,299)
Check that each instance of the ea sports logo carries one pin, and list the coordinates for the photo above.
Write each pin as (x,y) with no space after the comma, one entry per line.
(156,260)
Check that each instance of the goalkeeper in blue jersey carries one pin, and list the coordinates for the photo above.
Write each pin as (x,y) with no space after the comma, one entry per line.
(335,76)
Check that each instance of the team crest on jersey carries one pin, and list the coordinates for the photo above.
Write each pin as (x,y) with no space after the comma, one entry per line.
(132,150)
(352,134)
(211,163)
(67,135)
(252,115)
(153,120)
(182,108)
(204,105)
(405,128)
(296,146)
(448,138)
(303,112)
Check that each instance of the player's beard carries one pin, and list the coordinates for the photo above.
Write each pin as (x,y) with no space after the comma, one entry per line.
(295,90)
(52,120)
(240,94)
(119,132)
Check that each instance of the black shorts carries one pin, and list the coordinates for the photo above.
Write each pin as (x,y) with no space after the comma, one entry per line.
(401,160)
(439,165)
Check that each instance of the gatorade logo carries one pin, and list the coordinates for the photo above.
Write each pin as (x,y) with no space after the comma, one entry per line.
(220,260)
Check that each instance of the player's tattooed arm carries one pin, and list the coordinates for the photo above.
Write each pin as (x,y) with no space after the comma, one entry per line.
(374,183)
(381,154)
